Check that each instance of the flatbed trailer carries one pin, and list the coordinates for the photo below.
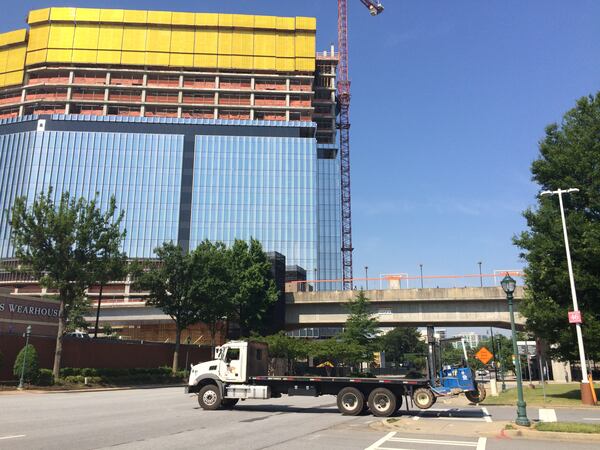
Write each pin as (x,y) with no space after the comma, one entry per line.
(238,374)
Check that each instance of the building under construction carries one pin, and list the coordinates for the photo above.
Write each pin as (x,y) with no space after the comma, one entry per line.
(204,126)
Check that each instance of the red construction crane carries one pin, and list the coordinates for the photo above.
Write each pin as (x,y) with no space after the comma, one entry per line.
(343,92)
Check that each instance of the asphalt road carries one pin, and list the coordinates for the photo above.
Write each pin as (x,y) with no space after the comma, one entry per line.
(167,418)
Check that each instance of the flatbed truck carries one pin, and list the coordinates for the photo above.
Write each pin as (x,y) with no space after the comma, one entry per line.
(239,372)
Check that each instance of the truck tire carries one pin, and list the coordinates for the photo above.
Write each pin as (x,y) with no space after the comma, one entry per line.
(209,397)
(423,398)
(229,403)
(350,401)
(382,402)
(476,396)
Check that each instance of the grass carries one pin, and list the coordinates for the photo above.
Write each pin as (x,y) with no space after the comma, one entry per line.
(556,395)
(568,427)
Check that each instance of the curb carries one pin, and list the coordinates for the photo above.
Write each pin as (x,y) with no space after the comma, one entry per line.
(79,391)
(524,433)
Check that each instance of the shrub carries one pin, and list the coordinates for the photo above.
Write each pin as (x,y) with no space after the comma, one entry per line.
(45,378)
(28,364)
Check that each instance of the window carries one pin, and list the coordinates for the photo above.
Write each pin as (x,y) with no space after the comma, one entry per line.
(233,354)
(258,354)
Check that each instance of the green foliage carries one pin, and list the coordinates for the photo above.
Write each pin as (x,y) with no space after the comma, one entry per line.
(340,352)
(27,363)
(360,330)
(569,156)
(45,378)
(400,341)
(62,244)
(254,287)
(157,375)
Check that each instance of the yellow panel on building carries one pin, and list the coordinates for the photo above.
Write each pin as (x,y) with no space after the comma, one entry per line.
(265,22)
(224,61)
(16,58)
(181,60)
(134,38)
(286,23)
(13,37)
(2,79)
(243,21)
(86,36)
(157,59)
(306,23)
(110,37)
(62,14)
(182,40)
(108,57)
(87,15)
(36,57)
(139,17)
(13,78)
(225,42)
(225,20)
(158,39)
(111,15)
(265,63)
(205,61)
(59,55)
(305,45)
(206,42)
(61,35)
(285,44)
(38,15)
(159,17)
(85,56)
(305,64)
(182,18)
(3,60)
(242,62)
(207,19)
(38,37)
(265,43)
(243,43)
(133,58)
(286,64)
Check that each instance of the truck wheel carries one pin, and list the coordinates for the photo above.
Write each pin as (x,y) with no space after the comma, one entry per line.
(350,401)
(209,397)
(229,403)
(476,396)
(423,398)
(382,402)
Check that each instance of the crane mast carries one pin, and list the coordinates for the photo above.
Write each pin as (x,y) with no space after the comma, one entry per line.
(343,93)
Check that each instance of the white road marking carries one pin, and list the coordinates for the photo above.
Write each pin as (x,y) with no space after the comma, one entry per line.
(381,441)
(12,437)
(591,418)
(487,417)
(481,443)
(547,415)
(416,417)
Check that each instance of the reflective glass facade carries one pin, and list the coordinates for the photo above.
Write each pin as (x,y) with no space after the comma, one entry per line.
(185,180)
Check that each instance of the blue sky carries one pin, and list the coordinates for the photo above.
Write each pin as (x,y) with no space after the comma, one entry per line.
(449,102)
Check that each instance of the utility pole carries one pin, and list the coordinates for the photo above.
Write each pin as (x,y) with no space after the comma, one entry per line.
(480,276)
(367,276)
(586,394)
(421,267)
(26,335)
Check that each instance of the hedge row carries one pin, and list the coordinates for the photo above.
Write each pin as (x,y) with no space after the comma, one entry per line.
(90,372)
(68,375)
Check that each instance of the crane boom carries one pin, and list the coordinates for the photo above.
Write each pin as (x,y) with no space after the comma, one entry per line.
(343,93)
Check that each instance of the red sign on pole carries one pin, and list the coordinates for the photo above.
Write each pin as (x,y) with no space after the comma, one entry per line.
(574,316)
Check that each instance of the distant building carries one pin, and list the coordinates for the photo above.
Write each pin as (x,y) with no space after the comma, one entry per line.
(471,339)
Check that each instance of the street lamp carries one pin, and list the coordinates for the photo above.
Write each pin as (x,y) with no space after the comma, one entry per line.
(421,267)
(367,276)
(26,335)
(585,388)
(508,286)
(480,276)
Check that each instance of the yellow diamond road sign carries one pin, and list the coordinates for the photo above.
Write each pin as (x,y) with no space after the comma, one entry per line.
(484,355)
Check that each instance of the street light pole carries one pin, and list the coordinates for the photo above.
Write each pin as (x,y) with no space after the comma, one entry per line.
(584,372)
(421,267)
(480,275)
(27,333)
(508,286)
(367,276)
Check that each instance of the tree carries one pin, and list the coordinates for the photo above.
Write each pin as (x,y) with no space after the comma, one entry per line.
(569,155)
(29,358)
(254,287)
(169,283)
(61,244)
(212,285)
(361,327)
(400,341)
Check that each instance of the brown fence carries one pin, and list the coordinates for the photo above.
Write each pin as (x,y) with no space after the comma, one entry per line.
(98,353)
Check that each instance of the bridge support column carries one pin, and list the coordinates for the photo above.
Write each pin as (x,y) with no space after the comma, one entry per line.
(430,352)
